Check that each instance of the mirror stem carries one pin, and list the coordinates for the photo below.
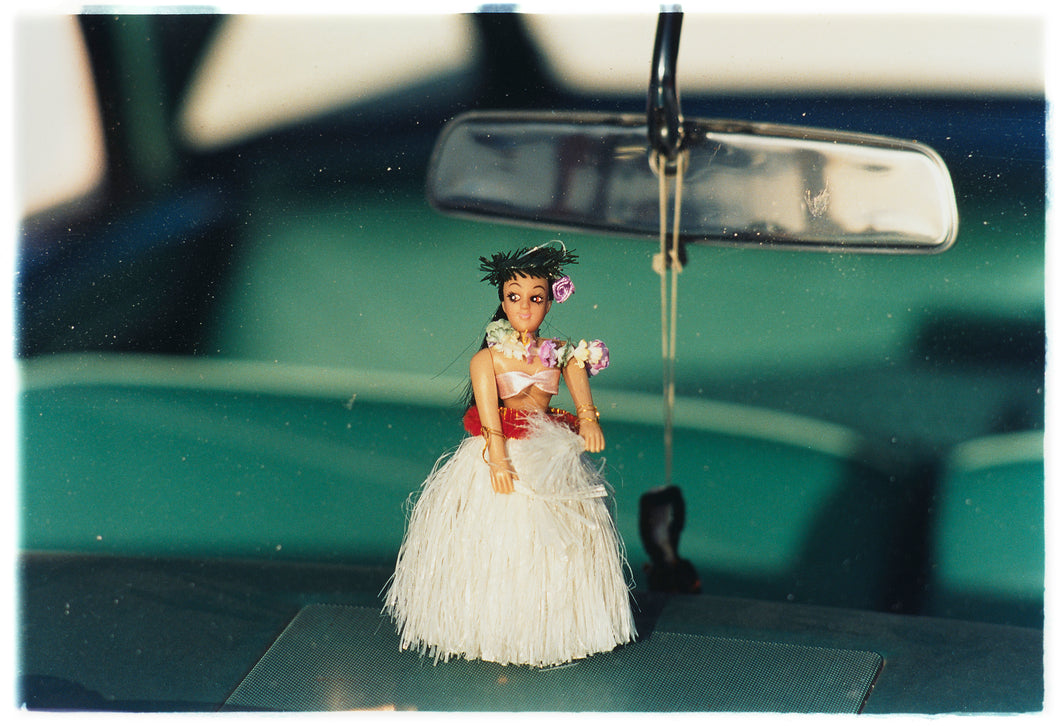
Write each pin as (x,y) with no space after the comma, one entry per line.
(664,107)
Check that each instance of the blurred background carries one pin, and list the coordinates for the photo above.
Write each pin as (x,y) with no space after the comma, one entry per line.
(229,287)
(210,114)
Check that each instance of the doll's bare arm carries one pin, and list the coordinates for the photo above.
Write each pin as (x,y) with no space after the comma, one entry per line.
(577,379)
(484,386)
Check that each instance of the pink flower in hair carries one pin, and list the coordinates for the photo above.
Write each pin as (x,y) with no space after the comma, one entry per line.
(562,289)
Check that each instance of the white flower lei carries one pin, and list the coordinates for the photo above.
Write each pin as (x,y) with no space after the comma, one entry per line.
(502,337)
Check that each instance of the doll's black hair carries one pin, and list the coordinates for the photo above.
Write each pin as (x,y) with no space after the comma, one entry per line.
(542,261)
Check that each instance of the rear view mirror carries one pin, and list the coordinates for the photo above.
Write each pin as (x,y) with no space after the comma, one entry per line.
(746,184)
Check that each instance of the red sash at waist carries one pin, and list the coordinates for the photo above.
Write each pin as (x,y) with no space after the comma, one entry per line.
(514,421)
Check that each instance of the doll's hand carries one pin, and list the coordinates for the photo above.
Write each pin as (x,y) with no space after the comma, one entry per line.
(502,477)
(593,435)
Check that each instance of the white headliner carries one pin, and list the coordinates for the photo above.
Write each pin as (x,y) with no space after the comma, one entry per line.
(270,70)
(767,52)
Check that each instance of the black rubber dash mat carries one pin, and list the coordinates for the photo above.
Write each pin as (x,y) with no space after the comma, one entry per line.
(334,657)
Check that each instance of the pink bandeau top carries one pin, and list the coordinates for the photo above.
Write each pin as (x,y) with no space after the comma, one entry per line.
(513,383)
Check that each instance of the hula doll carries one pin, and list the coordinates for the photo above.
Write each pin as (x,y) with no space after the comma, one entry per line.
(511,554)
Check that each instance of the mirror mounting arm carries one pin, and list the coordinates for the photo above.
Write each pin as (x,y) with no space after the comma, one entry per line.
(665,122)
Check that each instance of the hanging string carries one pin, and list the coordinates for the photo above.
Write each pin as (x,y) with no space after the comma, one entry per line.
(668,265)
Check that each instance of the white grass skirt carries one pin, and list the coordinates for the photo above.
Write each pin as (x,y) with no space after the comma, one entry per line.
(537,577)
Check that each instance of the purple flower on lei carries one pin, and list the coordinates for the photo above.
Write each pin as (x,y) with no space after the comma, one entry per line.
(546,351)
(562,289)
(599,357)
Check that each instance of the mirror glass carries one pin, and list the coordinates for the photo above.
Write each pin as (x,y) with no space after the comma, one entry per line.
(744,184)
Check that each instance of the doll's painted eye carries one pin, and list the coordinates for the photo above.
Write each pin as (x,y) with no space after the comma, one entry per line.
(538,299)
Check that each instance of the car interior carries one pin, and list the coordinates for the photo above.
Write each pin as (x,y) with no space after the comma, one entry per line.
(246,294)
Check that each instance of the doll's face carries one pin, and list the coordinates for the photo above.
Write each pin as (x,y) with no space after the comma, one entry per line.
(525,302)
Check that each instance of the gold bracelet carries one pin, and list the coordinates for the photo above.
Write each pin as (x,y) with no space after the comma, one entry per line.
(594,416)
(486,433)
